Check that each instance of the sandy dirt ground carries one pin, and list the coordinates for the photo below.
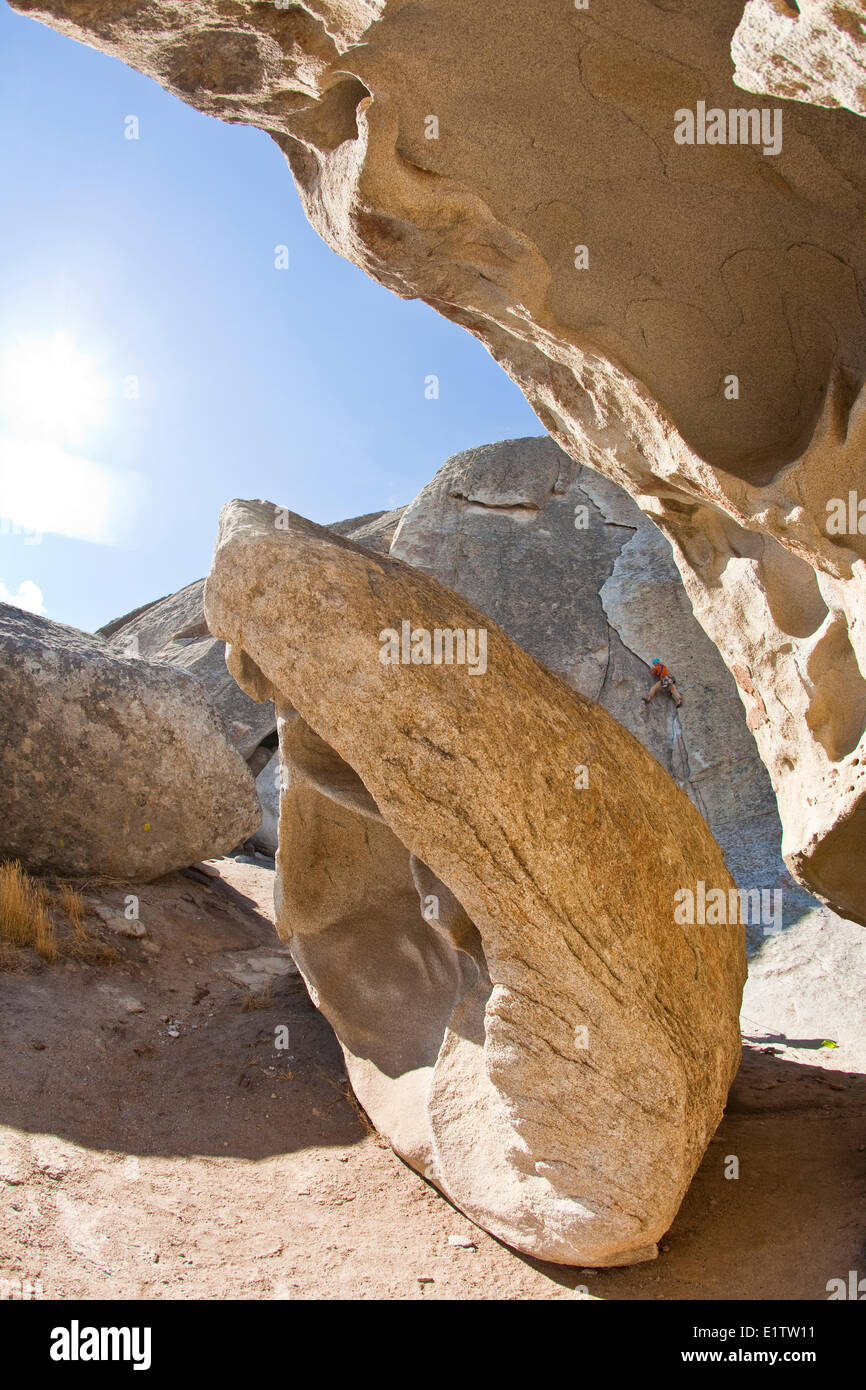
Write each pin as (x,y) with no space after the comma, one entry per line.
(177,1124)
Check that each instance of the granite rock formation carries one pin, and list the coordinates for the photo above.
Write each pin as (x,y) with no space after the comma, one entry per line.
(110,766)
(811,50)
(685,316)
(564,561)
(268,784)
(533,1031)
(174,630)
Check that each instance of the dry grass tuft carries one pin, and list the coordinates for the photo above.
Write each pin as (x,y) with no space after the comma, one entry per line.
(72,903)
(344,1089)
(258,1001)
(46,940)
(91,951)
(24,903)
(25,921)
(81,945)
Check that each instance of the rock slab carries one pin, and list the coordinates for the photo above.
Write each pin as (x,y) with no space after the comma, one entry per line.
(497,951)
(110,766)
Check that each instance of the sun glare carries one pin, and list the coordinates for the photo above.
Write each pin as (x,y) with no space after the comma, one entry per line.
(53,402)
(49,389)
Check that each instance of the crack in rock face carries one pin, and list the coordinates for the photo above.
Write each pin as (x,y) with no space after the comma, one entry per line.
(521,1013)
(686,317)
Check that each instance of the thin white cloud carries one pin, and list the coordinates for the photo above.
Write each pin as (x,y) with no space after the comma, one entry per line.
(44,488)
(28,596)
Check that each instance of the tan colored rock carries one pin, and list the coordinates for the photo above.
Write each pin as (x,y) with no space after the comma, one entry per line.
(552,1049)
(173,630)
(554,131)
(110,765)
(814,51)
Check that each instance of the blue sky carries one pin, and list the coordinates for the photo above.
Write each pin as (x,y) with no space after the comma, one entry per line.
(148,266)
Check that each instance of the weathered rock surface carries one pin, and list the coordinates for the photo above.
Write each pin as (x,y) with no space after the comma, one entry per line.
(173,630)
(110,766)
(497,951)
(564,561)
(704,263)
(374,531)
(806,988)
(814,51)
(268,791)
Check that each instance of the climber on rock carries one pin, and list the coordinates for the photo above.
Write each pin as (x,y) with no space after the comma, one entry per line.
(664,681)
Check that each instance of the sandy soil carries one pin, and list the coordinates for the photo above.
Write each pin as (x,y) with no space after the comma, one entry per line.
(156,1143)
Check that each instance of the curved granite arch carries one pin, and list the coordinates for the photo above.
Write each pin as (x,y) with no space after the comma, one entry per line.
(544,1039)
